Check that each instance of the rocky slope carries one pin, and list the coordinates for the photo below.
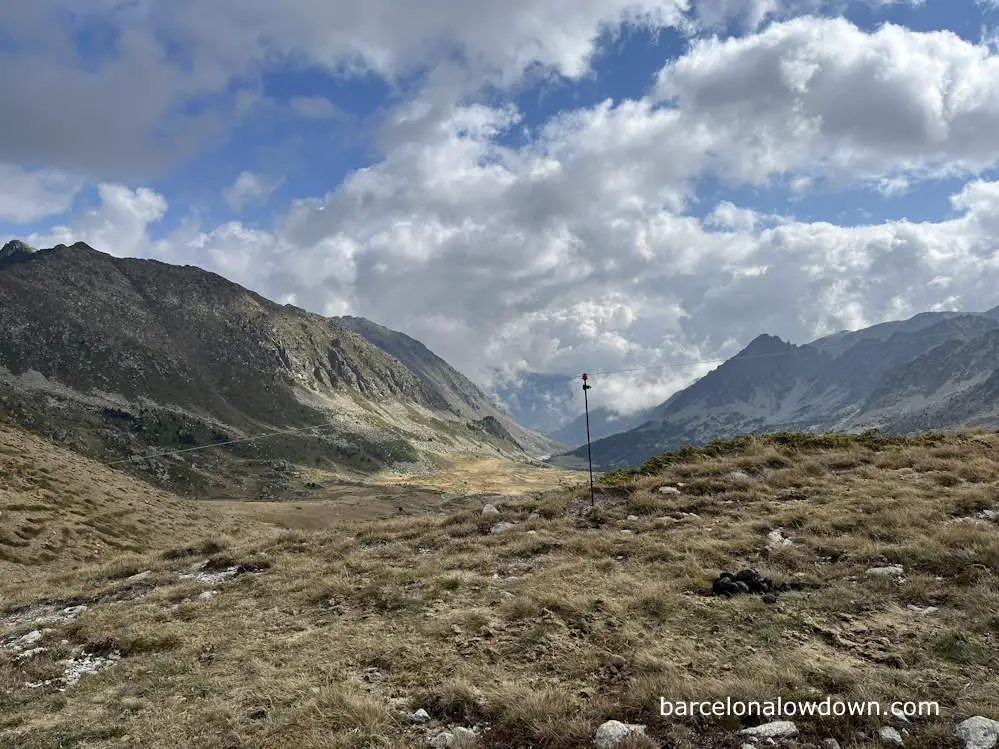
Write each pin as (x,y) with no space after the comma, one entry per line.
(936,370)
(448,388)
(123,357)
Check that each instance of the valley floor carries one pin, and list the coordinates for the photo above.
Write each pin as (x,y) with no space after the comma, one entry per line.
(222,624)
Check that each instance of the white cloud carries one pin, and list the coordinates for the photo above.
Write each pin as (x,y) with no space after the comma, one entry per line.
(573,251)
(822,95)
(118,225)
(249,188)
(27,196)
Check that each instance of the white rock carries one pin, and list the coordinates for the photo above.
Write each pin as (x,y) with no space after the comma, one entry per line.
(891,735)
(776,539)
(830,744)
(443,740)
(978,732)
(501,528)
(612,733)
(420,716)
(893,569)
(748,746)
(989,515)
(138,578)
(207,595)
(633,518)
(772,729)
(739,477)
(490,511)
(450,739)
(922,610)
(668,490)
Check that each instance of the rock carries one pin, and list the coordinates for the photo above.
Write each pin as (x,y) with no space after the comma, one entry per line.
(138,578)
(770,598)
(462,733)
(771,730)
(978,732)
(490,511)
(922,610)
(668,490)
(612,734)
(420,716)
(443,740)
(893,569)
(830,744)
(776,539)
(534,516)
(207,595)
(501,528)
(748,746)
(989,515)
(739,477)
(633,518)
(891,735)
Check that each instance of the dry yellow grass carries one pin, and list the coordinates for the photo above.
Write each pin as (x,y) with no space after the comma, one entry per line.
(538,634)
(476,474)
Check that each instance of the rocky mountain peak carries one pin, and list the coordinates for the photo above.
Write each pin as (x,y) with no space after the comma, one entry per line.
(16,247)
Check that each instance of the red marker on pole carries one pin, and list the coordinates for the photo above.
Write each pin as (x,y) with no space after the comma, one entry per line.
(589,453)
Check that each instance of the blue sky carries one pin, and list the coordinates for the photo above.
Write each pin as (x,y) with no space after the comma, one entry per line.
(783,166)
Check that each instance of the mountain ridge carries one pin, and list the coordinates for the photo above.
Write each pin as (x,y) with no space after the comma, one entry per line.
(935,370)
(125,357)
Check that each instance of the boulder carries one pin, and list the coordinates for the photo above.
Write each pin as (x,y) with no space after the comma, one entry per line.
(891,735)
(895,570)
(772,730)
(978,732)
(420,716)
(612,734)
(490,511)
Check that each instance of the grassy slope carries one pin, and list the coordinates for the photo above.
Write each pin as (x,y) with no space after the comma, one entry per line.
(349,627)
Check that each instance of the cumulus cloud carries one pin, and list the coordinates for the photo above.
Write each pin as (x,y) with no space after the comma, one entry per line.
(821,95)
(249,188)
(118,224)
(573,248)
(27,196)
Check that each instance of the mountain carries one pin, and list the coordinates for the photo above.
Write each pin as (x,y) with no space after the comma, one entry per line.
(448,388)
(121,358)
(935,370)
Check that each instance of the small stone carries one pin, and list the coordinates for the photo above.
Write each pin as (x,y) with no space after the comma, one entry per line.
(892,569)
(830,744)
(490,511)
(534,516)
(770,598)
(420,716)
(891,735)
(668,490)
(978,732)
(501,528)
(922,610)
(776,539)
(139,577)
(462,733)
(207,595)
(772,729)
(443,740)
(633,518)
(612,734)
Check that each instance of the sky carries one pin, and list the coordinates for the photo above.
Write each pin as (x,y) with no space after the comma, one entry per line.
(631,187)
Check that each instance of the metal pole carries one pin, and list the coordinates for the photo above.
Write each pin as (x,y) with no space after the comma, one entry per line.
(589,452)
